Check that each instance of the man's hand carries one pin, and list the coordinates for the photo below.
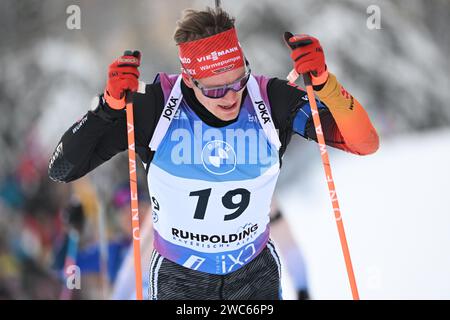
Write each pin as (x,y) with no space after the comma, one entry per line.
(123,75)
(308,56)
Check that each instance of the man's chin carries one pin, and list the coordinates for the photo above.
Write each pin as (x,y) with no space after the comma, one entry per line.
(227,113)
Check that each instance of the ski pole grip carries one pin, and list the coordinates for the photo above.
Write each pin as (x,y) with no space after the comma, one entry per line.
(137,54)
(296,44)
(307,79)
(128,97)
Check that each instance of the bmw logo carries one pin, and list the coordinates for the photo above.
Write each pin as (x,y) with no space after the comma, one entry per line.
(218,157)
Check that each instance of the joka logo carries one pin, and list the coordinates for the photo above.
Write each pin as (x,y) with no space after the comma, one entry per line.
(218,157)
(263,113)
(169,108)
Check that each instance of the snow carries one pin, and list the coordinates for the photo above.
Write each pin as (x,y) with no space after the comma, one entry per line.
(395,216)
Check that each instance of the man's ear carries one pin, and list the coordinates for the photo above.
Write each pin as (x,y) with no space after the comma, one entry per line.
(188,82)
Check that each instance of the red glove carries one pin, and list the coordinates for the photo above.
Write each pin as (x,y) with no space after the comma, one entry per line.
(308,56)
(123,75)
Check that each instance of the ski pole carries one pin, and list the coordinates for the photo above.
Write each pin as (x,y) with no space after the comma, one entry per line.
(133,190)
(293,75)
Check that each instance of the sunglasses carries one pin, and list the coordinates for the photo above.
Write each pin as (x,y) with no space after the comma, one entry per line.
(220,91)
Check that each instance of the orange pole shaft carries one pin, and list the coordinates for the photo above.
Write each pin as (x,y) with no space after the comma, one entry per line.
(134,200)
(331,187)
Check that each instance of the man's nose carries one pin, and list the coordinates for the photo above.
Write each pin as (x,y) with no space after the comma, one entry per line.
(230,96)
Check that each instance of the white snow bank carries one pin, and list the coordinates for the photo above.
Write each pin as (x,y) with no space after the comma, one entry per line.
(396,215)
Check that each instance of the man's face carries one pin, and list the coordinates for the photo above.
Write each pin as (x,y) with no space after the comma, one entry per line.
(227,107)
